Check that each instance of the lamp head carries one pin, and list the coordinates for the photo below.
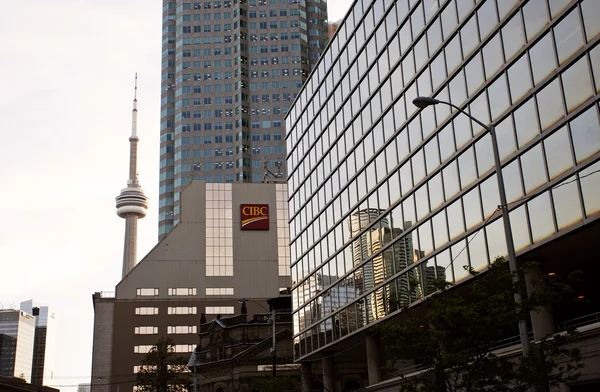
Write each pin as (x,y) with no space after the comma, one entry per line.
(242,300)
(423,102)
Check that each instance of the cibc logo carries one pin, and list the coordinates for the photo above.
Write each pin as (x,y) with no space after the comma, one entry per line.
(254,216)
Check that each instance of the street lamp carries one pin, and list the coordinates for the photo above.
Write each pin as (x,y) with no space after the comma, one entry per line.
(423,102)
(273,346)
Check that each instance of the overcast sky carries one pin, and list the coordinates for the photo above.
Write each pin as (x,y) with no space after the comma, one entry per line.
(67,70)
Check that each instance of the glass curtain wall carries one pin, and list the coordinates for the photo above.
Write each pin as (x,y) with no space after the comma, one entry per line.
(385,198)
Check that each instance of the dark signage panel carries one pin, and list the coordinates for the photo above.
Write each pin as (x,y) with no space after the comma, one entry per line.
(254,216)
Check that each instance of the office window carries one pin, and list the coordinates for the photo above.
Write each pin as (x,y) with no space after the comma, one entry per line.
(146,292)
(181,329)
(182,310)
(146,311)
(219,291)
(182,291)
(142,349)
(219,310)
(146,330)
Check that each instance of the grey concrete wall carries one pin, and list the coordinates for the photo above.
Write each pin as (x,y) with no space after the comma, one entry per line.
(102,345)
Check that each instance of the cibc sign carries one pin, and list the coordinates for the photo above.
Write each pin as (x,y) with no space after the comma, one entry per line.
(254,216)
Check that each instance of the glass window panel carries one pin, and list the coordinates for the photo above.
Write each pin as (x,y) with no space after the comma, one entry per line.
(595,59)
(469,36)
(460,261)
(477,251)
(556,6)
(434,36)
(492,55)
(457,89)
(451,184)
(432,155)
(504,6)
(519,78)
(472,207)
(402,145)
(490,196)
(566,203)
(542,58)
(558,152)
(577,84)
(455,219)
(453,53)
(590,10)
(526,123)
(464,6)
(438,70)
(585,132)
(534,173)
(474,72)
(440,230)
(466,167)
(406,183)
(422,200)
(505,135)
(496,239)
(479,109)
(513,36)
(425,239)
(512,181)
(443,263)
(487,18)
(449,21)
(436,191)
(498,97)
(462,130)
(485,154)
(408,209)
(520,228)
(590,188)
(568,36)
(535,14)
(446,139)
(550,104)
(540,217)
(418,166)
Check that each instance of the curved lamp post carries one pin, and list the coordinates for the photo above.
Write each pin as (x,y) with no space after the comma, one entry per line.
(423,102)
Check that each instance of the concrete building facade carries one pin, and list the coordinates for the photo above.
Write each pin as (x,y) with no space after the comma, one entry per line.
(211,258)
(358,145)
(45,344)
(230,71)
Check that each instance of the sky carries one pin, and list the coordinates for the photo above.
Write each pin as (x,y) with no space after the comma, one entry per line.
(67,74)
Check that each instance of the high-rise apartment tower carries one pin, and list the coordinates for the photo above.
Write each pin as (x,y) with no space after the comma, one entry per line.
(230,71)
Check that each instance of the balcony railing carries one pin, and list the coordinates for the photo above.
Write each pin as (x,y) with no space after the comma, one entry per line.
(579,321)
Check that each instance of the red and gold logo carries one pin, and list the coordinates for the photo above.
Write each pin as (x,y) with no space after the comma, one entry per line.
(254,216)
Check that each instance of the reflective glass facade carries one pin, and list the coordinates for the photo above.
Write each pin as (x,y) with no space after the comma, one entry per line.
(230,70)
(384,197)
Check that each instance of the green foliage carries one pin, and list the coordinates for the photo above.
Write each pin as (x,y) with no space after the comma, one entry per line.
(164,371)
(452,342)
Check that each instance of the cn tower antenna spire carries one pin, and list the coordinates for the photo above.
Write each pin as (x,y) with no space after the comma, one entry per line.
(132,203)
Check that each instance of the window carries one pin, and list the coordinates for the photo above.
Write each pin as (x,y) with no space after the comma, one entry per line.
(146,311)
(148,330)
(142,349)
(181,329)
(219,310)
(182,310)
(219,291)
(184,348)
(146,292)
(182,291)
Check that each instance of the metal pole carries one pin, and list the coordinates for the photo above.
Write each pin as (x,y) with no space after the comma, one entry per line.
(512,257)
(273,352)
(195,374)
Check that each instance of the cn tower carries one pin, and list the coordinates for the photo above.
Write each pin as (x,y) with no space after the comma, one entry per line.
(132,203)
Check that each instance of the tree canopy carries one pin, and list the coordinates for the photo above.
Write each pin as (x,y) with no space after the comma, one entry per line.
(453,341)
(164,371)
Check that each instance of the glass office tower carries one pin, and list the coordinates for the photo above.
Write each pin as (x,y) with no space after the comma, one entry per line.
(230,70)
(385,198)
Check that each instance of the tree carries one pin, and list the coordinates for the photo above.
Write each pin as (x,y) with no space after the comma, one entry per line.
(164,371)
(453,341)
